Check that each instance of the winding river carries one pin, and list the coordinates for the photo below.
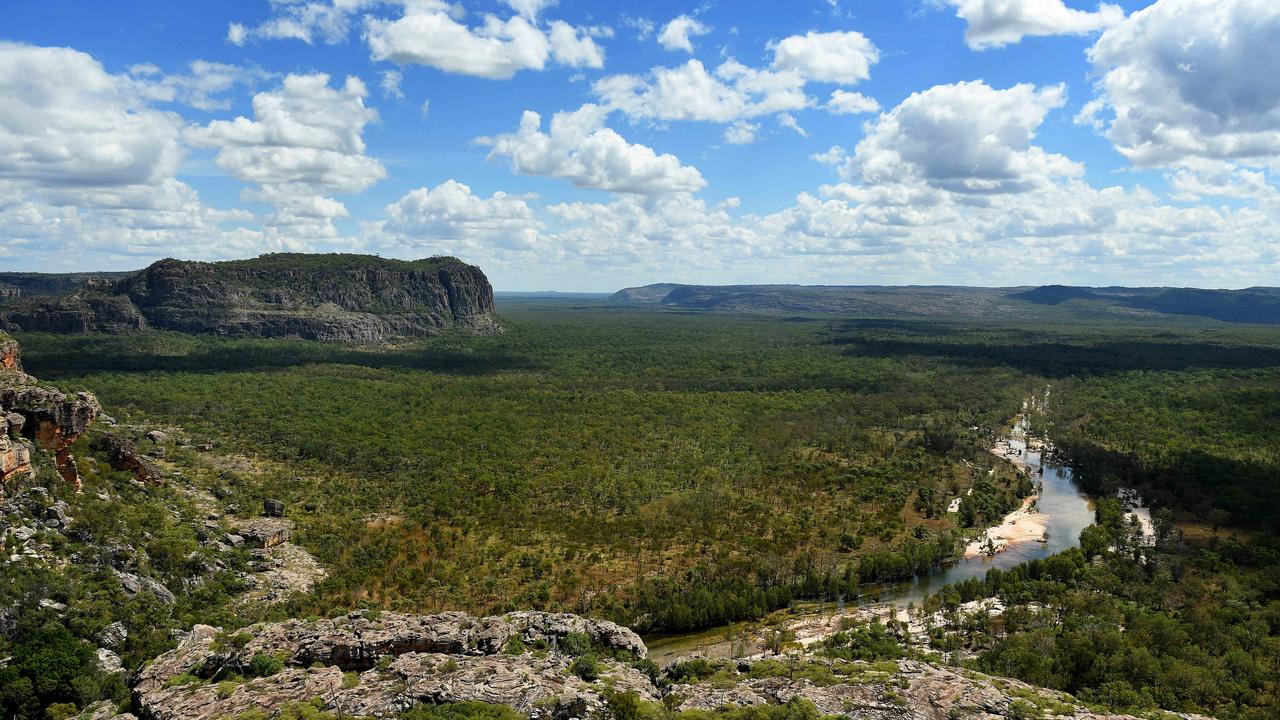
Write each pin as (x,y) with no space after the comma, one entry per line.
(1065,510)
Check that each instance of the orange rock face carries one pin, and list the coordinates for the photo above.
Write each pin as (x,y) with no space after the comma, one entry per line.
(15,460)
(10,358)
(53,419)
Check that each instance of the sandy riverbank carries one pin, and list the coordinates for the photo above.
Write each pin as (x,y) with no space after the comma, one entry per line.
(1026,524)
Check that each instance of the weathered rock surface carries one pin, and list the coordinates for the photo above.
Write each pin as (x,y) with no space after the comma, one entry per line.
(450,657)
(354,298)
(265,532)
(33,414)
(393,662)
(122,454)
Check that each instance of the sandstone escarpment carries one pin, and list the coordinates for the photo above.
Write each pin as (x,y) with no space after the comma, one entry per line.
(32,414)
(381,665)
(353,298)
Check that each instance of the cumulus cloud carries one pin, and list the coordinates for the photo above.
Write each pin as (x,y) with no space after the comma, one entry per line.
(450,216)
(304,142)
(575,47)
(436,33)
(741,133)
(66,121)
(689,92)
(305,20)
(579,148)
(530,8)
(429,34)
(995,23)
(1188,79)
(676,34)
(203,86)
(966,138)
(88,165)
(843,102)
(838,57)
(735,92)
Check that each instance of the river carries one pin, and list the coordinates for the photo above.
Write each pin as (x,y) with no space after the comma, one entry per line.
(1065,510)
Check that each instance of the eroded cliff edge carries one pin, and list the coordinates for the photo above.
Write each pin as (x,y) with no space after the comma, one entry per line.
(36,417)
(336,297)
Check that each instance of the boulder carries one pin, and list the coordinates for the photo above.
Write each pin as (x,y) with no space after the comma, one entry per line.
(122,454)
(113,636)
(272,508)
(136,584)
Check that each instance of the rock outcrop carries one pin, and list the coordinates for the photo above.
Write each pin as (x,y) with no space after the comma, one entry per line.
(352,298)
(400,661)
(122,454)
(381,665)
(33,414)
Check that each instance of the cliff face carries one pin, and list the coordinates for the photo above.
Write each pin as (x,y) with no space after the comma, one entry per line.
(33,414)
(351,298)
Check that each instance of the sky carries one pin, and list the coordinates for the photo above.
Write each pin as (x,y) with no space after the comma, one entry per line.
(589,146)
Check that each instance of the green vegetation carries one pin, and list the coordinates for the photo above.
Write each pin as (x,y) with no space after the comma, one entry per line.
(588,459)
(677,470)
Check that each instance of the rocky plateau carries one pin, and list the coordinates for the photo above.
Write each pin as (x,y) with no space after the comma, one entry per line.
(348,298)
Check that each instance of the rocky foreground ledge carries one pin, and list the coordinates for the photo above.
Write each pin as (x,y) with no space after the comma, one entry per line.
(382,664)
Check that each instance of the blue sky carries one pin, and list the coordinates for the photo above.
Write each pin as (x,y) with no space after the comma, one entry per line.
(989,142)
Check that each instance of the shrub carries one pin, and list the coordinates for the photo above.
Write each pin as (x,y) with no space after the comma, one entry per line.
(263,665)
(585,667)
(514,645)
(575,643)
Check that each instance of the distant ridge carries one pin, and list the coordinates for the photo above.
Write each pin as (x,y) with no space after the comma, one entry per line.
(1250,305)
(1260,305)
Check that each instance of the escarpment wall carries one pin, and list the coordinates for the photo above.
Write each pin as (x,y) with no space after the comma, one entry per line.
(350,298)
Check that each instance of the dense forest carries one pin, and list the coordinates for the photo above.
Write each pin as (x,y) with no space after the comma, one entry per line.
(676,470)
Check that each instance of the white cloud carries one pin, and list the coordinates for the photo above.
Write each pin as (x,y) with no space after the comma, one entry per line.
(574,47)
(305,20)
(735,92)
(530,8)
(676,33)
(789,121)
(741,133)
(428,34)
(87,166)
(204,86)
(390,84)
(995,23)
(843,102)
(1198,178)
(1191,79)
(437,34)
(304,143)
(838,57)
(450,219)
(644,27)
(66,121)
(237,33)
(965,138)
(689,92)
(579,148)
(306,133)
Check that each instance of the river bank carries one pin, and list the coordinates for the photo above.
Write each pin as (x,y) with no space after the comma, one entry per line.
(1047,523)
